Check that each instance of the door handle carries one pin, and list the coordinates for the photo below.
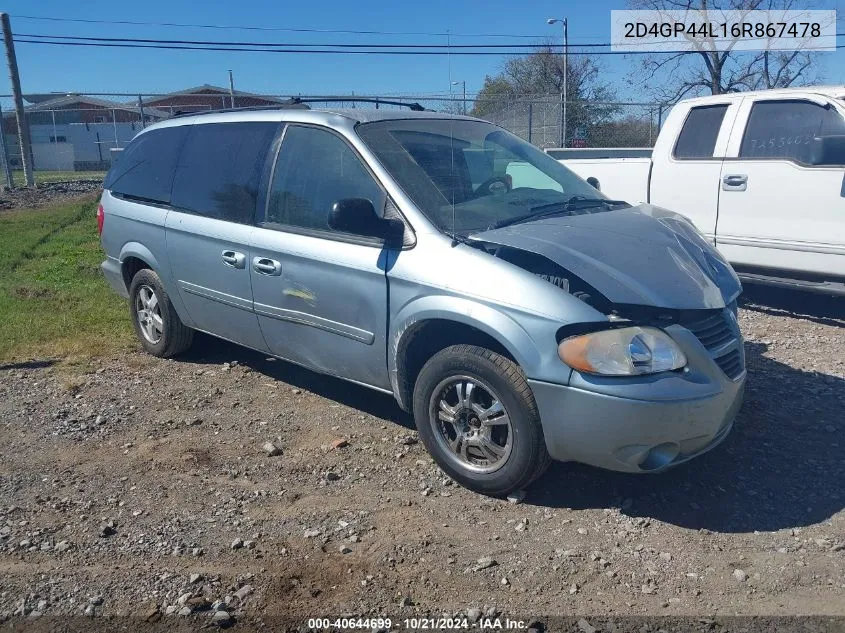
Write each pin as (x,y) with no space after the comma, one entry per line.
(233,259)
(735,182)
(266,266)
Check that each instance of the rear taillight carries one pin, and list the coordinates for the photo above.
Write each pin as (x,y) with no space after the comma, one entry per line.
(101,215)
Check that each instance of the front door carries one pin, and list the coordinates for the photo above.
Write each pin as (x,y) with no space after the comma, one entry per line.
(320,295)
(776,210)
(687,180)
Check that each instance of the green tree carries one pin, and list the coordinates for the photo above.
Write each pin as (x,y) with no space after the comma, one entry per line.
(540,74)
(531,87)
(627,131)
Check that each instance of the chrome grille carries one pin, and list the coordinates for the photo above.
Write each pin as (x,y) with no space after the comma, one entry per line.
(719,335)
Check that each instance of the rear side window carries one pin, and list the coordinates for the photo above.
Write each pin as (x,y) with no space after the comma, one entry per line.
(785,129)
(697,139)
(144,170)
(219,170)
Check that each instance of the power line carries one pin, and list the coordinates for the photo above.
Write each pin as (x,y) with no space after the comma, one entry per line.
(257,48)
(272,28)
(205,43)
(242,49)
(294,45)
(545,36)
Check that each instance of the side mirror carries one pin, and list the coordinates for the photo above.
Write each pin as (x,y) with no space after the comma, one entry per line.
(827,150)
(358,216)
(594,183)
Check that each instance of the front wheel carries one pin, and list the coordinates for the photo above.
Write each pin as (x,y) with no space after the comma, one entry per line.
(477,417)
(158,327)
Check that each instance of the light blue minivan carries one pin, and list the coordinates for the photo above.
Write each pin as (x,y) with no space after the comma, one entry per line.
(519,314)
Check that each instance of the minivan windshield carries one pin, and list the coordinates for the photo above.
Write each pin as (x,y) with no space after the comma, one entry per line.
(467,176)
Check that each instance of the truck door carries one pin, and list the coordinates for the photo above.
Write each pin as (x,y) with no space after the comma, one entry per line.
(776,210)
(685,174)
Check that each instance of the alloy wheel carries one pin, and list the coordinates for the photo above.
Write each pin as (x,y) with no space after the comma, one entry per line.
(149,314)
(471,424)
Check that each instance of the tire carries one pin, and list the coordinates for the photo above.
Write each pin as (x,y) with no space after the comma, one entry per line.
(495,456)
(160,330)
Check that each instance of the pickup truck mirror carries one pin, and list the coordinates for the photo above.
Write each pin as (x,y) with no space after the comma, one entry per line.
(594,183)
(358,216)
(827,150)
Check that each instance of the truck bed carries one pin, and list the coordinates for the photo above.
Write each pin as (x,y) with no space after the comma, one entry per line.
(623,173)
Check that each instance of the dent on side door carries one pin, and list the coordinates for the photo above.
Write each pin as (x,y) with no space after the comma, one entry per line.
(327,309)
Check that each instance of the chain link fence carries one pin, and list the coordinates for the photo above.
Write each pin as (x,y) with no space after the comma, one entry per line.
(544,121)
(75,132)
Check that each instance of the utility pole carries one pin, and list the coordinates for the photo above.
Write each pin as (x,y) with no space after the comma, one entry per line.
(231,89)
(564,96)
(23,128)
(141,111)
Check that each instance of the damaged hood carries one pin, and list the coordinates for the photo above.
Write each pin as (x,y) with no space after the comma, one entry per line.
(640,255)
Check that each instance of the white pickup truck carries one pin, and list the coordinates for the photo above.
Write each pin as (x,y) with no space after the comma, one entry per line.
(760,173)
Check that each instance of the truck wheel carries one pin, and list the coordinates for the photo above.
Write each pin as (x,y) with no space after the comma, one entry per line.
(477,417)
(156,323)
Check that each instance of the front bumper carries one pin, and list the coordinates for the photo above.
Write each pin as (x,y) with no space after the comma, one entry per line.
(641,424)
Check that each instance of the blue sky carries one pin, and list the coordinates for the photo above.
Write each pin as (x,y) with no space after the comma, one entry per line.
(92,70)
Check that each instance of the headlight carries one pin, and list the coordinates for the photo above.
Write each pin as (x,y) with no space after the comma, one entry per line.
(627,351)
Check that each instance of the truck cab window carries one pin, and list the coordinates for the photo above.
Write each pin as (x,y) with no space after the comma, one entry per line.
(697,139)
(784,129)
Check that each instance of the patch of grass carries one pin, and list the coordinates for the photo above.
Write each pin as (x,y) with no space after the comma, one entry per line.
(54,302)
(57,176)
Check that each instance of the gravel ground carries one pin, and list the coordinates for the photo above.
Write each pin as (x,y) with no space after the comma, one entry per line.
(228,487)
(47,193)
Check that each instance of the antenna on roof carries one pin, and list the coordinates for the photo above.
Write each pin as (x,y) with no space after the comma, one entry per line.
(451,136)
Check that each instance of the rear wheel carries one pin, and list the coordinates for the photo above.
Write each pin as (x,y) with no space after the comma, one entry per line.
(477,417)
(158,327)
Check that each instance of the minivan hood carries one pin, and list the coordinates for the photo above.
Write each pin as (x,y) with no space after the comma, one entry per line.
(640,255)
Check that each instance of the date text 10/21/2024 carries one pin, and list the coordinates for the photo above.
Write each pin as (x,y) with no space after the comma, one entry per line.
(417,624)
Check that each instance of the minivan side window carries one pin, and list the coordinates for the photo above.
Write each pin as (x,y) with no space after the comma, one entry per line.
(144,170)
(785,129)
(219,170)
(314,170)
(697,139)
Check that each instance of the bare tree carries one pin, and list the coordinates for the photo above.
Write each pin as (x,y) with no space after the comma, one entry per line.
(673,76)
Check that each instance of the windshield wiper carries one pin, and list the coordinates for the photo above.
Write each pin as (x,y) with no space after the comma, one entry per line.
(458,239)
(554,208)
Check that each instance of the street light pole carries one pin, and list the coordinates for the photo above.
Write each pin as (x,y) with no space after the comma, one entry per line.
(565,96)
(464,103)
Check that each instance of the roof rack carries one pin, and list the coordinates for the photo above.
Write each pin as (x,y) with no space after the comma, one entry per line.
(301,103)
(284,105)
(416,107)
